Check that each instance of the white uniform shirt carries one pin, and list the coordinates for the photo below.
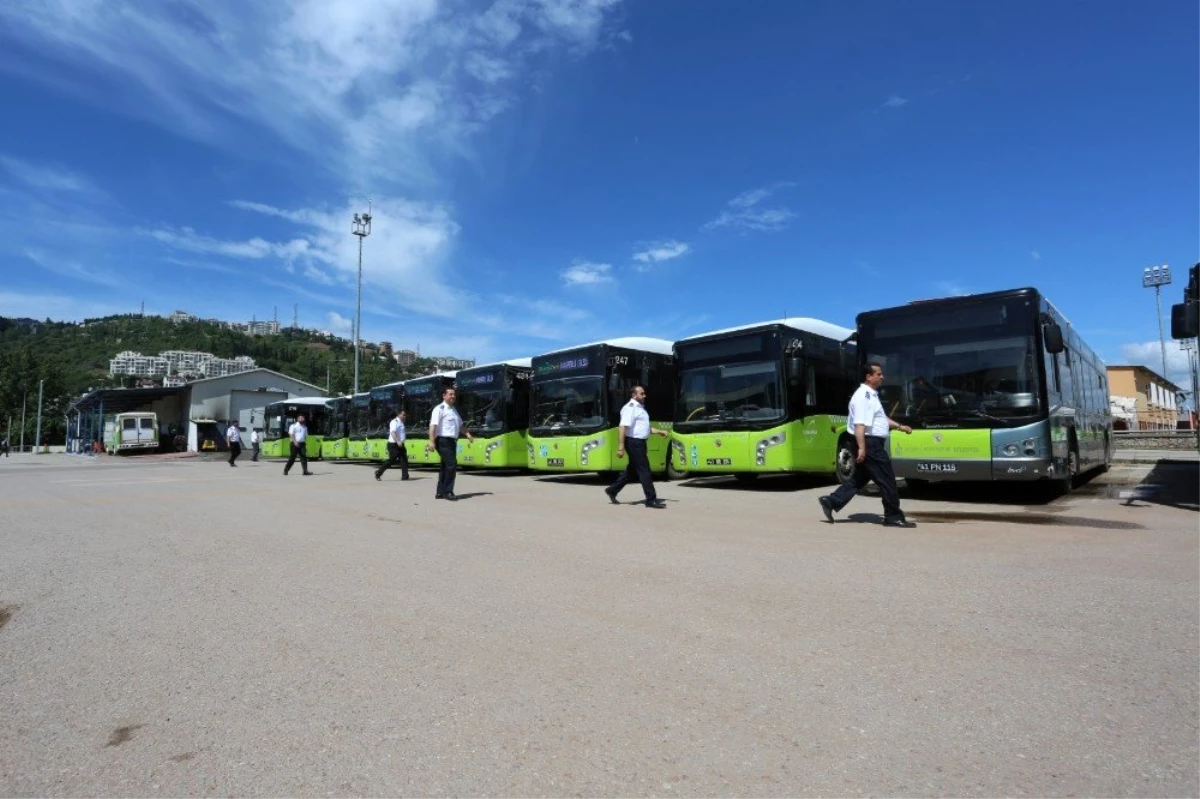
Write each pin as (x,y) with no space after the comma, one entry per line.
(233,435)
(635,420)
(397,432)
(866,409)
(298,432)
(446,420)
(253,436)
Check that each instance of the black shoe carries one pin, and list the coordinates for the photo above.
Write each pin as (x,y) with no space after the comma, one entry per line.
(307,474)
(450,496)
(378,476)
(285,472)
(898,521)
(657,503)
(826,508)
(439,496)
(405,477)
(612,497)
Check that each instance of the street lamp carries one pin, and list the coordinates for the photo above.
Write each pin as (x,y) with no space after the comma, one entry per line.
(1157,277)
(362,229)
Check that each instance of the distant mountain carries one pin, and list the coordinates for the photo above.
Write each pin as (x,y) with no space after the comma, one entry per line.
(73,358)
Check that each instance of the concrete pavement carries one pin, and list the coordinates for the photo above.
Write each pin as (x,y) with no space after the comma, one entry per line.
(182,628)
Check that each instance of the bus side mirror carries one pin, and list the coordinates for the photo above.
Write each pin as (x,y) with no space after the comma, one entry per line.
(1052,334)
(1185,320)
(614,381)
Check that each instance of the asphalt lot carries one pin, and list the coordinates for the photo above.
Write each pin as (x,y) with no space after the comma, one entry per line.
(177,627)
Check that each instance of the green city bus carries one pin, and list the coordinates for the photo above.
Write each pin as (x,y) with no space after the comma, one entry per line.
(380,413)
(279,416)
(421,396)
(358,421)
(337,431)
(996,386)
(493,401)
(577,396)
(764,398)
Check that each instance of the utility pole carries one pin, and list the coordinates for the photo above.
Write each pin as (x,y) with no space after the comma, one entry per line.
(1156,277)
(362,229)
(24,397)
(37,441)
(296,316)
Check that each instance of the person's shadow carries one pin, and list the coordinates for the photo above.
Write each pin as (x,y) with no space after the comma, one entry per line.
(472,495)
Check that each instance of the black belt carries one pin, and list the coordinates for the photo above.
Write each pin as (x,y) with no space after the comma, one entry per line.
(447,438)
(881,438)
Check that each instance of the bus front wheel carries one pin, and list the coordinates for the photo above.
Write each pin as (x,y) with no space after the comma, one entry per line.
(846,465)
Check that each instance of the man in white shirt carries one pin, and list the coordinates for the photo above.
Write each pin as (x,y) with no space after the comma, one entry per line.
(397,435)
(870,426)
(298,433)
(255,443)
(634,432)
(445,426)
(233,438)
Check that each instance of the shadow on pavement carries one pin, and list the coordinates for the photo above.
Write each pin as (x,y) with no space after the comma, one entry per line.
(1174,484)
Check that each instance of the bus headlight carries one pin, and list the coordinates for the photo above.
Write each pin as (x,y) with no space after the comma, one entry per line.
(487,451)
(760,449)
(1030,446)
(588,446)
(529,450)
(1011,450)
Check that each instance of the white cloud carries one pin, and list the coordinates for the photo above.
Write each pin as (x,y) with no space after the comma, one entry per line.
(75,270)
(46,177)
(373,89)
(895,101)
(1149,354)
(339,324)
(950,288)
(586,273)
(743,212)
(656,252)
(1035,255)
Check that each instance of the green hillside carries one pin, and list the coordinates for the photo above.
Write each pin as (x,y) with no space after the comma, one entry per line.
(73,358)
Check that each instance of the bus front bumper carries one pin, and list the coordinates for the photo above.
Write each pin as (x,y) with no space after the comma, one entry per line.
(1006,469)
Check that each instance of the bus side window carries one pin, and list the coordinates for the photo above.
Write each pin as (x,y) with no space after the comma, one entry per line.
(810,386)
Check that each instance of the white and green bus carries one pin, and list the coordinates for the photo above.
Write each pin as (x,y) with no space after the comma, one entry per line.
(764,398)
(337,437)
(384,402)
(996,386)
(278,418)
(421,396)
(577,396)
(493,401)
(358,423)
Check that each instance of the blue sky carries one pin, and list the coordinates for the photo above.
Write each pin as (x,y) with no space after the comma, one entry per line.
(547,173)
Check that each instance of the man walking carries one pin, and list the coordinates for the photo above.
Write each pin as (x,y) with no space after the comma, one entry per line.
(298,433)
(256,443)
(634,432)
(397,435)
(445,426)
(233,439)
(870,427)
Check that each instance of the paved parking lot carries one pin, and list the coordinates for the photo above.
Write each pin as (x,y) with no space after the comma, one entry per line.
(177,627)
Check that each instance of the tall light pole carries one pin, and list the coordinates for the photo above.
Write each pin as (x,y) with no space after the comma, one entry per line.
(362,229)
(1156,277)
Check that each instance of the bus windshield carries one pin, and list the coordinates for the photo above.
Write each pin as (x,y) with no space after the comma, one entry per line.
(569,405)
(482,409)
(420,401)
(734,392)
(970,362)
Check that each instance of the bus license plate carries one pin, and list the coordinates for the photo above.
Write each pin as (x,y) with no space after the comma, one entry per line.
(554,461)
(719,462)
(937,468)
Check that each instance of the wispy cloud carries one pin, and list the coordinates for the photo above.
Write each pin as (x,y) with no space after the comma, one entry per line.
(75,270)
(1035,255)
(950,288)
(586,273)
(657,252)
(745,211)
(894,101)
(46,177)
(339,324)
(377,89)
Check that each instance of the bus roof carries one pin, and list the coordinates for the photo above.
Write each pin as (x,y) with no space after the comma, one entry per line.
(917,306)
(817,327)
(301,401)
(641,343)
(397,384)
(431,377)
(521,363)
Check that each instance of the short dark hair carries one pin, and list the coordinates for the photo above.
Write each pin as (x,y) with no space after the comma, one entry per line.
(869,369)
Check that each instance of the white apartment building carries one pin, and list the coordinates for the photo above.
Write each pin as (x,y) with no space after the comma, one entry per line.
(178,362)
(448,364)
(134,363)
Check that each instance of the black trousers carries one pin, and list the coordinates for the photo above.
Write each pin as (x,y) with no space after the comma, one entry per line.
(447,450)
(397,454)
(877,467)
(257,448)
(235,449)
(300,451)
(638,469)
